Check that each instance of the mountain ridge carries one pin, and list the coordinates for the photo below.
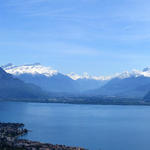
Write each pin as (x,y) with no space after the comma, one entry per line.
(134,84)
(13,88)
(51,80)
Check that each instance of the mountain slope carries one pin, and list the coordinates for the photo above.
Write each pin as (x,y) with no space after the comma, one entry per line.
(45,77)
(13,88)
(56,83)
(53,81)
(130,85)
(147,97)
(86,82)
(89,84)
(133,84)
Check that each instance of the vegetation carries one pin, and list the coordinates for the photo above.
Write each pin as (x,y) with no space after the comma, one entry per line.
(9,133)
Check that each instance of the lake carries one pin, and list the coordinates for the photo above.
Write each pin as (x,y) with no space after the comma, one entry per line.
(95,127)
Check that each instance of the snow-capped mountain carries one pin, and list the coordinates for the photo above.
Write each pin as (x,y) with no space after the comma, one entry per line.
(45,77)
(126,74)
(37,68)
(133,84)
(85,75)
(87,82)
(54,81)
(33,69)
(13,89)
(134,73)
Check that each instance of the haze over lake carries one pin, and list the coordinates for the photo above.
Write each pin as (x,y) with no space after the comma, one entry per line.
(94,127)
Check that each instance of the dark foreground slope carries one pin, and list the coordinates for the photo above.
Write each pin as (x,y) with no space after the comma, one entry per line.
(13,88)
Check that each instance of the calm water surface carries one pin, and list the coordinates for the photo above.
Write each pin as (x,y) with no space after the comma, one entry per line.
(94,127)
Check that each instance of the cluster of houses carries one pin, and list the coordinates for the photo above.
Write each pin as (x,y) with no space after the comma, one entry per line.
(11,131)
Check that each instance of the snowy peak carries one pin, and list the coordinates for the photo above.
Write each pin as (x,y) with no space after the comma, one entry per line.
(146,72)
(33,69)
(7,65)
(74,76)
(37,68)
(134,73)
(85,75)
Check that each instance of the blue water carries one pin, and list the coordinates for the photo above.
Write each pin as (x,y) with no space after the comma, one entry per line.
(94,127)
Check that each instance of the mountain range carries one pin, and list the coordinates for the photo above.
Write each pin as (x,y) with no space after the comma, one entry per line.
(53,81)
(13,88)
(135,84)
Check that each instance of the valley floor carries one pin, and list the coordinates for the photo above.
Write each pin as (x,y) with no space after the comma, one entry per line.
(87,100)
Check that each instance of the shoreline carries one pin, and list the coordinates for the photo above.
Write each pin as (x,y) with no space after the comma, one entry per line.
(135,103)
(9,133)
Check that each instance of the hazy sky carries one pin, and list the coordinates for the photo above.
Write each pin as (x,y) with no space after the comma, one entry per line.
(100,37)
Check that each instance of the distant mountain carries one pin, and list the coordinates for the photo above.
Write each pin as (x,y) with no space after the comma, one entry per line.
(53,81)
(86,82)
(89,84)
(13,88)
(44,77)
(130,85)
(85,75)
(135,84)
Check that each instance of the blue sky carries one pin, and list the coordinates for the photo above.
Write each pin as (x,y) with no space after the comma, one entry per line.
(101,37)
